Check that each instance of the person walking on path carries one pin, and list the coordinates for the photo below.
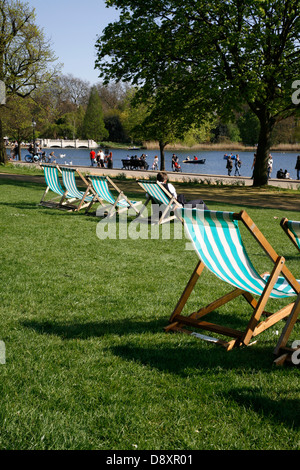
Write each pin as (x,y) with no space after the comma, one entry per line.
(155,163)
(253,165)
(229,165)
(92,157)
(270,166)
(238,164)
(297,167)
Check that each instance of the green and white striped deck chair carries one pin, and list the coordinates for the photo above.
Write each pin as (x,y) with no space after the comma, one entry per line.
(63,200)
(217,240)
(82,198)
(102,190)
(292,229)
(159,195)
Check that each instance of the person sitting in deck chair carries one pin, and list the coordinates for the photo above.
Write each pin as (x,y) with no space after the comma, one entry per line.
(162,177)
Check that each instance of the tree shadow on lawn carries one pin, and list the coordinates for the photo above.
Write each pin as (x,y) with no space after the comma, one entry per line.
(174,353)
(22,183)
(183,356)
(283,410)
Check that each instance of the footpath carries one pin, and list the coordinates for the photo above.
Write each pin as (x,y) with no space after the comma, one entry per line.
(215,188)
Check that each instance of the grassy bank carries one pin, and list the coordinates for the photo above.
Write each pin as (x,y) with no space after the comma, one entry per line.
(88,365)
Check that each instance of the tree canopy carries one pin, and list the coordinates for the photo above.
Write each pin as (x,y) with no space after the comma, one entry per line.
(208,55)
(93,124)
(25,53)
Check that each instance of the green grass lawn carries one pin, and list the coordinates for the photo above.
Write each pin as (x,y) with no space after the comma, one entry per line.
(88,364)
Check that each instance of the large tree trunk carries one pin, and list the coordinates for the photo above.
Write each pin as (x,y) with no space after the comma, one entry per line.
(260,174)
(162,155)
(3,156)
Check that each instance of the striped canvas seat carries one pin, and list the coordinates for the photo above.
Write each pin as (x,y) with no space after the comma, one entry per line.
(292,229)
(158,194)
(52,181)
(217,241)
(82,199)
(100,185)
(68,177)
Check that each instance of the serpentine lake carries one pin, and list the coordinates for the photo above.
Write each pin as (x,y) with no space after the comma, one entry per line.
(215,164)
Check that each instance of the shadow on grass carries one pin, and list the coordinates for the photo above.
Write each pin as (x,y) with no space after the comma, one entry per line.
(174,353)
(23,183)
(281,411)
(69,331)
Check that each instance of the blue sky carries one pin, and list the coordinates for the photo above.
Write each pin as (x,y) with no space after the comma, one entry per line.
(73,26)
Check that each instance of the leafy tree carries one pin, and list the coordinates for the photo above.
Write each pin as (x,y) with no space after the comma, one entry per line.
(215,55)
(25,54)
(248,125)
(93,124)
(196,135)
(159,123)
(115,128)
(17,122)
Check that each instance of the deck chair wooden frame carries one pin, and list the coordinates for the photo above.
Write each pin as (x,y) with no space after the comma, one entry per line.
(292,229)
(267,285)
(120,204)
(82,199)
(158,194)
(63,200)
(283,352)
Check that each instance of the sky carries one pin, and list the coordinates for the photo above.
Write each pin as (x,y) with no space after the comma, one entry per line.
(72,27)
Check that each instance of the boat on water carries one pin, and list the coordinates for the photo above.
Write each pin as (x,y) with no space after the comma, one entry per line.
(201,161)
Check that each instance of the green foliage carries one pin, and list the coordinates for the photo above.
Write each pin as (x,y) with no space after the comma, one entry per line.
(93,123)
(208,56)
(25,54)
(248,125)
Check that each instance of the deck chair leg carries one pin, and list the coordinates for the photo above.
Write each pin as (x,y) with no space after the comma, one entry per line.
(45,194)
(63,198)
(253,323)
(282,342)
(82,202)
(144,207)
(186,293)
(95,198)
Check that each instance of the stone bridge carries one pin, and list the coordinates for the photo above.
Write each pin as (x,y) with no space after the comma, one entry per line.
(75,144)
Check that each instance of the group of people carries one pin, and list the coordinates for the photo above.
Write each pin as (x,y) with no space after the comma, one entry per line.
(233,159)
(137,162)
(101,159)
(282,174)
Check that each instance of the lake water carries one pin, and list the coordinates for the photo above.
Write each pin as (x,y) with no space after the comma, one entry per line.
(215,163)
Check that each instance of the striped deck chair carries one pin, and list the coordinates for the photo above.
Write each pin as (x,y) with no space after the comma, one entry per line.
(217,240)
(292,229)
(102,191)
(159,195)
(82,198)
(63,200)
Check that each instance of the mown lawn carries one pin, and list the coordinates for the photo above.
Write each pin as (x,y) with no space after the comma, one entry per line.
(88,364)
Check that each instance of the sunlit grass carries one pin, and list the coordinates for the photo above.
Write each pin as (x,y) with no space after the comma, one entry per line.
(88,364)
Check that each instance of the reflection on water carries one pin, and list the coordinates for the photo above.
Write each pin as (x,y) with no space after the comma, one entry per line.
(215,164)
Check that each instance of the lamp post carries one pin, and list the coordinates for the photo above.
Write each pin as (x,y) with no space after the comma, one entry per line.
(33,123)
